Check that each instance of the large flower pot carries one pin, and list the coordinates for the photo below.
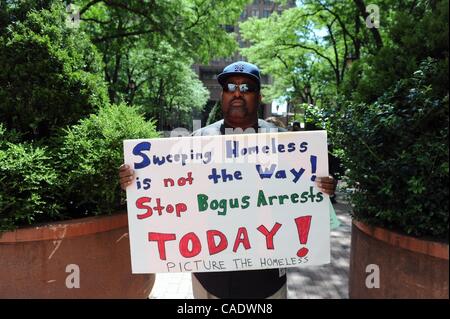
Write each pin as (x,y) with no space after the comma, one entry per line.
(83,258)
(408,267)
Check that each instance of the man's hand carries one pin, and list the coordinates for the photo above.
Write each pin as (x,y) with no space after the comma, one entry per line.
(126,175)
(326,185)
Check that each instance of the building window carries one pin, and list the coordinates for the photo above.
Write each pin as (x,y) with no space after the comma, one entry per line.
(255,13)
(266,13)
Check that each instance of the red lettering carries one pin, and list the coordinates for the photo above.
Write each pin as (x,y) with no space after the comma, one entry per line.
(168,182)
(242,232)
(184,245)
(180,208)
(213,248)
(161,239)
(140,204)
(269,235)
(190,245)
(159,208)
(182,181)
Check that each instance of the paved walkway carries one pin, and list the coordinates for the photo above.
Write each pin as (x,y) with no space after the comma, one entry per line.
(328,281)
(314,282)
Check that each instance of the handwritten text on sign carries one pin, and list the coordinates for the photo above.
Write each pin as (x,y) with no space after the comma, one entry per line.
(225,203)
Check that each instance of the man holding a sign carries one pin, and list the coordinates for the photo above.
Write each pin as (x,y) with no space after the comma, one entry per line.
(234,210)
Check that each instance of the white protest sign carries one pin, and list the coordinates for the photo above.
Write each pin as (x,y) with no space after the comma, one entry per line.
(230,202)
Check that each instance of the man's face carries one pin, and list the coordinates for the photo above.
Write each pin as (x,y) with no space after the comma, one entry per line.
(240,109)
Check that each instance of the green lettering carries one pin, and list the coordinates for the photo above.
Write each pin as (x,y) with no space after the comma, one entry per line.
(304,197)
(311,194)
(245,202)
(294,198)
(234,203)
(261,199)
(319,197)
(271,199)
(202,201)
(223,205)
(214,204)
(281,198)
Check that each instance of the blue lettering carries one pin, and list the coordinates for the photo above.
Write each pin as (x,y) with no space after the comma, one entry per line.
(137,150)
(267,172)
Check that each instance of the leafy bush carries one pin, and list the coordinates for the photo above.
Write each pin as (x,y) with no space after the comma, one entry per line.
(90,155)
(396,152)
(77,178)
(51,77)
(27,184)
(51,74)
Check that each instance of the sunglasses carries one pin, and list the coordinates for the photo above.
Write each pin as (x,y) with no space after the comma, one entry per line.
(243,88)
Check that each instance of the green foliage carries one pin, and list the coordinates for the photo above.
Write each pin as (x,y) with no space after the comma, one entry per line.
(76,178)
(304,49)
(411,36)
(215,114)
(15,11)
(389,127)
(27,184)
(90,155)
(51,74)
(171,91)
(149,47)
(195,27)
(396,152)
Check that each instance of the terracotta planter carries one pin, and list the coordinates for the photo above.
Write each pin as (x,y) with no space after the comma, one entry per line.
(408,267)
(44,262)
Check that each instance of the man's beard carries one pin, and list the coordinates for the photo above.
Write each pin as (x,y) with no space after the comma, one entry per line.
(237,111)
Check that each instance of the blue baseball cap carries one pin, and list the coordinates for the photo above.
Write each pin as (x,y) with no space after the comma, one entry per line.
(240,68)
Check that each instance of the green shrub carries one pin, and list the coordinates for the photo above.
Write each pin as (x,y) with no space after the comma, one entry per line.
(396,152)
(90,155)
(51,74)
(27,184)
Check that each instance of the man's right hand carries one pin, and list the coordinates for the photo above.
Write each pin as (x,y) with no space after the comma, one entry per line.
(126,175)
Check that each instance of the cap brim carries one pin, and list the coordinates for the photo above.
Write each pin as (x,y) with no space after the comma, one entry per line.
(222,77)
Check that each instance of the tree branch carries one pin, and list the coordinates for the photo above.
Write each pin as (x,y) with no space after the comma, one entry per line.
(87,6)
(96,21)
(122,35)
(299,45)
(341,23)
(336,54)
